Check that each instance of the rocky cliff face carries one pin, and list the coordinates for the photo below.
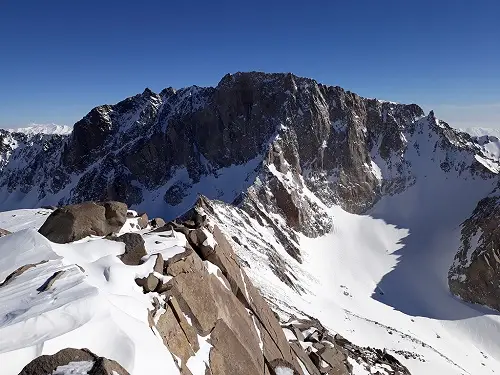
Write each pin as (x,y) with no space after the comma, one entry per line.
(475,273)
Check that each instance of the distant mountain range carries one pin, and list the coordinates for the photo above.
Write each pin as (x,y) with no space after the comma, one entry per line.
(43,129)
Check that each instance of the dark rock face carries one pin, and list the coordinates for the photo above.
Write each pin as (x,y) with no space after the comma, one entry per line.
(134,248)
(47,364)
(74,222)
(4,232)
(475,273)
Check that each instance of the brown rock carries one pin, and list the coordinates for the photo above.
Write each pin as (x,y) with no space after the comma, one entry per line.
(335,358)
(205,299)
(187,328)
(116,214)
(46,364)
(74,222)
(224,258)
(304,358)
(315,359)
(196,299)
(142,220)
(151,283)
(197,238)
(157,222)
(134,248)
(229,355)
(158,267)
(275,342)
(185,262)
(298,333)
(173,335)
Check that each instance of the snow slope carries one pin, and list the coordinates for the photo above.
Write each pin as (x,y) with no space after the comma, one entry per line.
(380,279)
(95,302)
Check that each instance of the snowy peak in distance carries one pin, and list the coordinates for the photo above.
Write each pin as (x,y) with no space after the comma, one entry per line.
(479,131)
(33,129)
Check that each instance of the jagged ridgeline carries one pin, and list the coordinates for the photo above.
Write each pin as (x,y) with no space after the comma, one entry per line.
(287,164)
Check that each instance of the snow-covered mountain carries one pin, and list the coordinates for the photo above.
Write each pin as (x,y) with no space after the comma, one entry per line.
(339,207)
(33,129)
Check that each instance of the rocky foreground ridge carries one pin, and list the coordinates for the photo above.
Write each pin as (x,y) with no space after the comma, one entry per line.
(204,308)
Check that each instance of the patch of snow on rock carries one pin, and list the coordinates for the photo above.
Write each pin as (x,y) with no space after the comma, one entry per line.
(198,363)
(74,368)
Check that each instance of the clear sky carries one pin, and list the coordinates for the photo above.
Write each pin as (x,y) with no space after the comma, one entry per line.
(60,58)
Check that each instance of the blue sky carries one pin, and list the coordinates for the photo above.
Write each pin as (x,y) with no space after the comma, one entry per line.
(58,59)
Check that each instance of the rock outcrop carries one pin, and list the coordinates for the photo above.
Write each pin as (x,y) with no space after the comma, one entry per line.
(209,302)
(328,353)
(73,361)
(134,248)
(74,222)
(475,273)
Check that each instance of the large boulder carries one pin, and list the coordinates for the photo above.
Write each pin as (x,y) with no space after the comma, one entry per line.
(74,222)
(73,361)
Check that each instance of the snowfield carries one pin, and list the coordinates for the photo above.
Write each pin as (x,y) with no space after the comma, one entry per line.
(94,304)
(379,280)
